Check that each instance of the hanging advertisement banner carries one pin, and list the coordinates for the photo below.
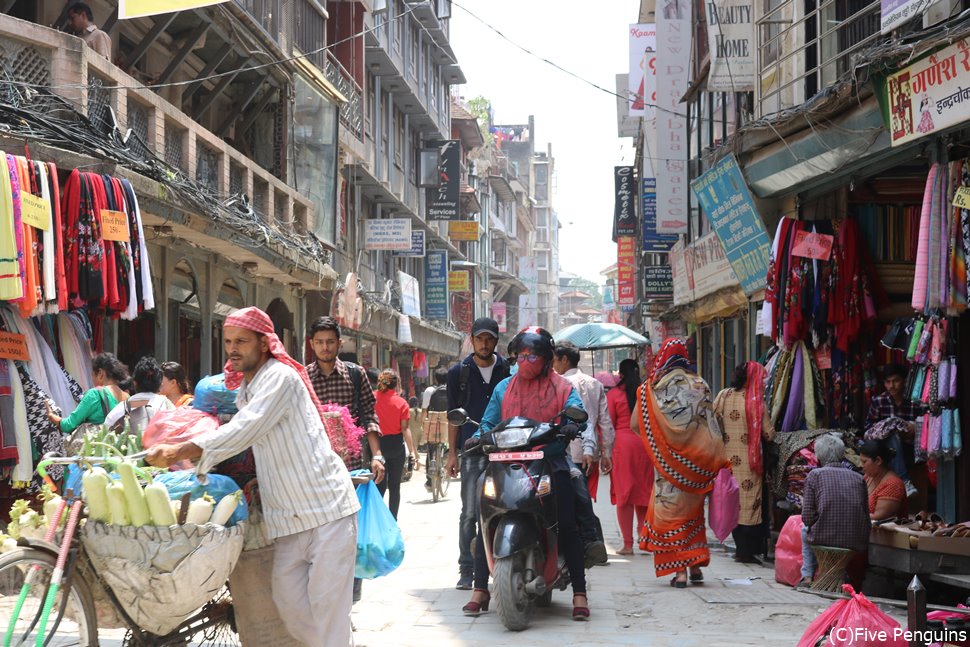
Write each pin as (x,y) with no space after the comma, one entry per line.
(730,38)
(436,285)
(624,212)
(626,125)
(658,282)
(404,329)
(895,13)
(700,270)
(626,260)
(387,234)
(726,200)
(140,8)
(467,230)
(458,281)
(443,199)
(642,79)
(528,311)
(410,294)
(417,245)
(652,241)
(673,63)
(929,95)
(500,315)
(528,302)
(462,311)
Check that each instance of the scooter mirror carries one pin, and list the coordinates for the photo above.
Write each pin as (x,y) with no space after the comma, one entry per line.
(457,417)
(576,414)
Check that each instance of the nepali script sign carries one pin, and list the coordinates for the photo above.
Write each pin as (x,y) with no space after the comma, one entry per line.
(930,95)
(725,198)
(895,13)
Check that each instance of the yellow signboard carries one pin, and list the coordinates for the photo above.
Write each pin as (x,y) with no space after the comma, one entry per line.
(114,226)
(463,230)
(458,281)
(961,199)
(35,211)
(139,8)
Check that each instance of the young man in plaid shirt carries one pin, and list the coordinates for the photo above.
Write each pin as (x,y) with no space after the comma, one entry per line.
(334,382)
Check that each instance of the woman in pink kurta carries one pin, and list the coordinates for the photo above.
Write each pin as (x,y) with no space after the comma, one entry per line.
(631,481)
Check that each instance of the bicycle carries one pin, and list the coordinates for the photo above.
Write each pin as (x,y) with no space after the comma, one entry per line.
(47,591)
(437,456)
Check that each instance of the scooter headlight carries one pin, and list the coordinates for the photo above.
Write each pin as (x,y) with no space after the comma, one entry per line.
(512,438)
(488,489)
(545,486)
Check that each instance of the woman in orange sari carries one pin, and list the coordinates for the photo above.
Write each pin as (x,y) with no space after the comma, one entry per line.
(677,424)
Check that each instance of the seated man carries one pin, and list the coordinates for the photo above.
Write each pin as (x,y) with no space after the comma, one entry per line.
(894,403)
(835,509)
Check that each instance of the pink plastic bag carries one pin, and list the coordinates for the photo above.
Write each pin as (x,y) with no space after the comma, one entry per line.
(788,552)
(854,622)
(725,505)
(176,426)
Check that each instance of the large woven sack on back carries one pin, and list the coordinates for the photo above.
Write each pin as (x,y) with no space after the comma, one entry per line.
(162,575)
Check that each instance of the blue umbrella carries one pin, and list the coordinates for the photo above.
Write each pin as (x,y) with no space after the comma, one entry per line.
(597,336)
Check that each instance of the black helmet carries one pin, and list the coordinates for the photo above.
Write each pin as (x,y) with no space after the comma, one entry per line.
(537,340)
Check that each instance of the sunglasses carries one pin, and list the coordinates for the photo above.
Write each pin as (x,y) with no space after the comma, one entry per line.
(531,358)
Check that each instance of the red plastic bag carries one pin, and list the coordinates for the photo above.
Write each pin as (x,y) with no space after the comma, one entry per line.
(854,622)
(176,426)
(788,552)
(725,505)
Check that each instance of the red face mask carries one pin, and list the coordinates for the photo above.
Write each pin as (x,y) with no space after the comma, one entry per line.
(531,370)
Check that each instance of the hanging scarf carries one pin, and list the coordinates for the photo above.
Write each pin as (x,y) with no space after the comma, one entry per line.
(254,319)
(542,398)
(673,354)
(11,287)
(754,412)
(921,276)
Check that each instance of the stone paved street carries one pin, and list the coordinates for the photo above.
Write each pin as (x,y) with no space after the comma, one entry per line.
(418,604)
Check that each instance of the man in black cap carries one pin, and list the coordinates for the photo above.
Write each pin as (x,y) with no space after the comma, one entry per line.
(470,385)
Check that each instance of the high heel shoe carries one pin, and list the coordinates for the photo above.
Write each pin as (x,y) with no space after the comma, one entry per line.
(474,608)
(580,614)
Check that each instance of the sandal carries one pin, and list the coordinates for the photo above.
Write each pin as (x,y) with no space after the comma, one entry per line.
(696,578)
(804,583)
(475,609)
(678,584)
(626,550)
(580,614)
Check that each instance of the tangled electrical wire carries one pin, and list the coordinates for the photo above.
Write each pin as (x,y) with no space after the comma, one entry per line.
(36,114)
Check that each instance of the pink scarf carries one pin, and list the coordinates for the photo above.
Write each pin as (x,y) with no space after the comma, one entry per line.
(254,319)
(754,413)
(542,398)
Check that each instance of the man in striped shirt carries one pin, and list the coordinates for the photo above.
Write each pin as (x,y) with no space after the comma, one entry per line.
(307,497)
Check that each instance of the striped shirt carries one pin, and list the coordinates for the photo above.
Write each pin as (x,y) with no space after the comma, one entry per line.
(303,484)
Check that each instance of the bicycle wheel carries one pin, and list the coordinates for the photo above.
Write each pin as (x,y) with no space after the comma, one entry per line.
(434,471)
(72,621)
(442,482)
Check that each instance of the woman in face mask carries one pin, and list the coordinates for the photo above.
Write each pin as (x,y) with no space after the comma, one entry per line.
(538,392)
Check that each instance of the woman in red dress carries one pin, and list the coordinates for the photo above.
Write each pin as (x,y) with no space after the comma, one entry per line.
(631,481)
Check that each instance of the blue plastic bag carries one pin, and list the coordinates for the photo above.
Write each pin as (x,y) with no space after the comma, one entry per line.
(218,486)
(380,546)
(212,396)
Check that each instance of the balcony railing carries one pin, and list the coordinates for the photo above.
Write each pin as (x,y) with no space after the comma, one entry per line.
(352,112)
(804,47)
(34,54)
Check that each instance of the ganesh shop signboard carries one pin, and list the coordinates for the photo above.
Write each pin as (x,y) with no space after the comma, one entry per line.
(930,95)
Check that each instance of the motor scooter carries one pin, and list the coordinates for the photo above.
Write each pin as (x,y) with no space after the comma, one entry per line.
(517,512)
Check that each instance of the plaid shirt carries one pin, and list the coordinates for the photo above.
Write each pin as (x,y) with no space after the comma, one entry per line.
(338,388)
(883,406)
(835,508)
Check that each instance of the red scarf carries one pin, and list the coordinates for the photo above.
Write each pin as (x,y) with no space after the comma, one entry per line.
(754,413)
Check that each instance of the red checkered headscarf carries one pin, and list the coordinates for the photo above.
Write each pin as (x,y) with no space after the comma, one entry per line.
(254,319)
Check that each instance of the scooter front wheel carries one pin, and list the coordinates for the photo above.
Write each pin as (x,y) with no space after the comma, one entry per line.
(512,603)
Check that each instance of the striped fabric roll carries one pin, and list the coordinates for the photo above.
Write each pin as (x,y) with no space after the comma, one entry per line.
(922,252)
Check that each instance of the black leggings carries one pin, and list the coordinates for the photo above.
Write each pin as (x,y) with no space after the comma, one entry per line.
(570,542)
(392,447)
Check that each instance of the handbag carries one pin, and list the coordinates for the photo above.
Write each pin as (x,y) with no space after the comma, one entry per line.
(75,440)
(725,505)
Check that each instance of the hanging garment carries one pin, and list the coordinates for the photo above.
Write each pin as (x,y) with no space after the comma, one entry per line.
(11,285)
(922,270)
(44,437)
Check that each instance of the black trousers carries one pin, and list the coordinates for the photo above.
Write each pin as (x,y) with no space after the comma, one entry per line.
(392,447)
(749,540)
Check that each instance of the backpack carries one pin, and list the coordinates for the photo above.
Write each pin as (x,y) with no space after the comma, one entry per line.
(498,374)
(439,399)
(357,378)
(137,418)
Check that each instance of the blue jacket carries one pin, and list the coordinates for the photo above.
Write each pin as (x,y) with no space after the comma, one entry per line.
(478,392)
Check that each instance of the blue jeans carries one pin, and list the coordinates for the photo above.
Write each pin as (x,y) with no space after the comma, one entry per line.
(809,563)
(898,462)
(472,468)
